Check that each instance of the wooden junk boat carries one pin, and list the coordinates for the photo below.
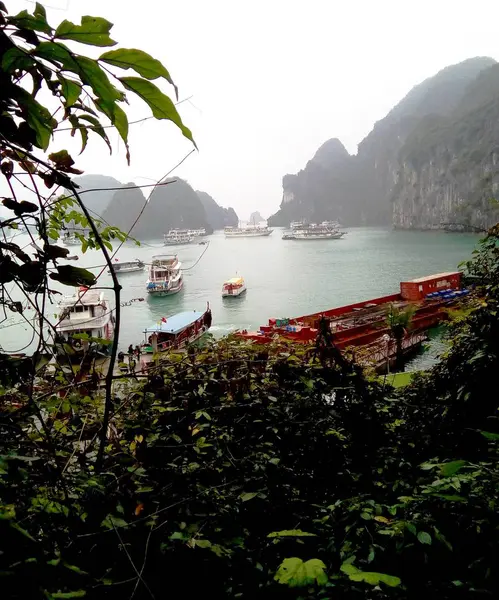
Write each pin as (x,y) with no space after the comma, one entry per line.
(363,324)
(177,331)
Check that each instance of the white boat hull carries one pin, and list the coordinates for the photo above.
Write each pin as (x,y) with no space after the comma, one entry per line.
(162,290)
(334,236)
(245,235)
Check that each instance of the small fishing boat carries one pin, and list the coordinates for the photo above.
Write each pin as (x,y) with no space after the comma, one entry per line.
(178,237)
(165,275)
(127,267)
(233,287)
(84,318)
(177,331)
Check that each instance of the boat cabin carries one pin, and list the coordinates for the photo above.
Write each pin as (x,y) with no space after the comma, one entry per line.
(176,331)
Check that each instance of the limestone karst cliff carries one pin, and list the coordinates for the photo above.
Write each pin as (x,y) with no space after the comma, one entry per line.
(175,205)
(430,161)
(217,216)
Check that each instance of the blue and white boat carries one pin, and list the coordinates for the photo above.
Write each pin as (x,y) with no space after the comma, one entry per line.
(165,275)
(176,331)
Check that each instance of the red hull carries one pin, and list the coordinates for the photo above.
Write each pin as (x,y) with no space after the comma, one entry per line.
(363,323)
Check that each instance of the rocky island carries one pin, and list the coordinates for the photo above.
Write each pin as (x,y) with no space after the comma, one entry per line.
(429,164)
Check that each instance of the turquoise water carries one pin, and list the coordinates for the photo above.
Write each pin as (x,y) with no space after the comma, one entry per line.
(284,278)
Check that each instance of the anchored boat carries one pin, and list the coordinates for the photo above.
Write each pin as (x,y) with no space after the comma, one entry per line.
(165,275)
(178,237)
(127,267)
(232,232)
(84,315)
(177,331)
(233,287)
(327,230)
(70,239)
(363,324)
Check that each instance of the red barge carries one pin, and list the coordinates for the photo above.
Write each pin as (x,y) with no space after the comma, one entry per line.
(363,324)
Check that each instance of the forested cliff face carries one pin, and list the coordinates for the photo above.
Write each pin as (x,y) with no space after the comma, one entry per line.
(430,162)
(217,216)
(175,205)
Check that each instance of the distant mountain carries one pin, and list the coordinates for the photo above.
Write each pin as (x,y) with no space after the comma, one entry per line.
(99,200)
(217,217)
(175,205)
(406,171)
(256,218)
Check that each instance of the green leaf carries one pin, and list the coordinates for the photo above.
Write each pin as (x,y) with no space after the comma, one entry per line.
(75,276)
(424,538)
(490,436)
(161,105)
(91,74)
(57,53)
(293,572)
(19,208)
(370,577)
(14,59)
(141,62)
(69,89)
(203,543)
(35,22)
(290,533)
(97,127)
(37,116)
(248,496)
(450,468)
(93,31)
(76,594)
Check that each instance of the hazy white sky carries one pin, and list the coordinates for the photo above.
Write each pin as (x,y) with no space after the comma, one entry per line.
(272,80)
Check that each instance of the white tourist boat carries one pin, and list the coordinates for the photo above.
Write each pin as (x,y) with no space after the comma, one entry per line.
(131,266)
(197,232)
(312,234)
(70,239)
(233,287)
(178,237)
(84,315)
(232,232)
(176,331)
(165,275)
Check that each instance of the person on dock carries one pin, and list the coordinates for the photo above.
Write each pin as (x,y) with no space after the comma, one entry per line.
(130,351)
(138,352)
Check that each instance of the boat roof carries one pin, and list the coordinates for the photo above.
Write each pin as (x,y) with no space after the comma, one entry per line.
(84,297)
(235,280)
(175,323)
(431,277)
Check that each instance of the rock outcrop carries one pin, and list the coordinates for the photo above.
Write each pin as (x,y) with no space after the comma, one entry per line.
(175,205)
(98,200)
(430,161)
(256,218)
(217,216)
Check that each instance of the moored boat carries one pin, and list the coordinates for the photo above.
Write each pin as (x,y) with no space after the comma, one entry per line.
(233,232)
(233,287)
(165,275)
(70,239)
(84,319)
(127,266)
(178,237)
(363,324)
(312,235)
(177,331)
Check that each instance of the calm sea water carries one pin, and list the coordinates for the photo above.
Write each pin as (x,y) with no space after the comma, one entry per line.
(284,278)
